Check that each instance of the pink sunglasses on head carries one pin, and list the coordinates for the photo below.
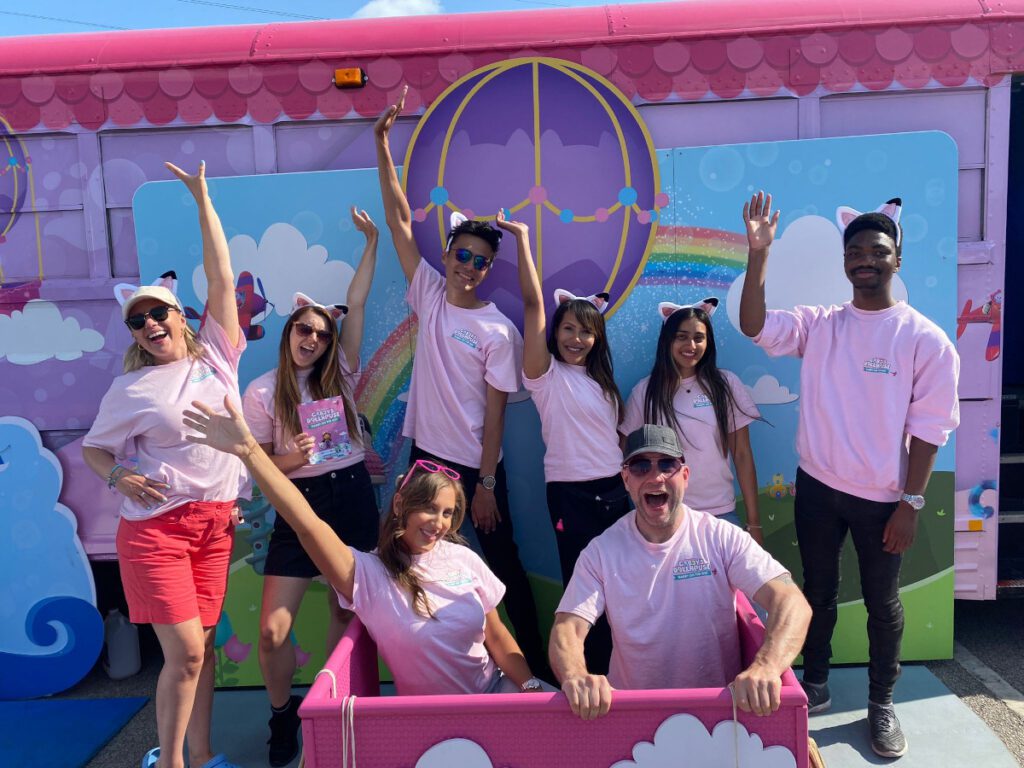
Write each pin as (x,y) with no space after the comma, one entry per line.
(431,467)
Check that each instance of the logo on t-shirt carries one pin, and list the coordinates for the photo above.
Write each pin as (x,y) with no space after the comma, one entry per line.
(200,372)
(878,365)
(691,568)
(467,337)
(702,401)
(456,578)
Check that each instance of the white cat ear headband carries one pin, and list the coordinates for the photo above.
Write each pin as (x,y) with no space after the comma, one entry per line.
(302,301)
(666,309)
(455,220)
(599,300)
(168,282)
(891,209)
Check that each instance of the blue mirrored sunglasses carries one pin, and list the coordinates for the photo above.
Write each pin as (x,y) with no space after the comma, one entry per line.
(642,467)
(480,262)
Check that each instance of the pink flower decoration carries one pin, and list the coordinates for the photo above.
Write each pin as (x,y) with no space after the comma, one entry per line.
(236,650)
(419,215)
(601,214)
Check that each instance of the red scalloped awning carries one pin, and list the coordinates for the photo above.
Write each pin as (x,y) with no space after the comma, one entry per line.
(652,52)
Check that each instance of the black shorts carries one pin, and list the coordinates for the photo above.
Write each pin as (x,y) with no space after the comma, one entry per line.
(345,500)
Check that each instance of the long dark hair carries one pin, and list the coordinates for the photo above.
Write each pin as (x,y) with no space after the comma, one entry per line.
(665,378)
(418,493)
(325,380)
(599,360)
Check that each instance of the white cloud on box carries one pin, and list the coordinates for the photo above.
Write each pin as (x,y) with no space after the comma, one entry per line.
(805,267)
(768,391)
(455,752)
(686,735)
(285,263)
(376,9)
(39,332)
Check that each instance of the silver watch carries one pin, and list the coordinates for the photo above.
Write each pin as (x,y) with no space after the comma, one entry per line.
(488,482)
(533,684)
(916,502)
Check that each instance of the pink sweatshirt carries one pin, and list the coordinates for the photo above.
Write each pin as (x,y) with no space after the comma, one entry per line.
(868,380)
(140,416)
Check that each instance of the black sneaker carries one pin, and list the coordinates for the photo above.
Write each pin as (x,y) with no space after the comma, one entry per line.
(818,697)
(284,733)
(887,739)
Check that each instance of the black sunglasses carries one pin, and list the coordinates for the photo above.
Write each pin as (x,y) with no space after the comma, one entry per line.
(643,467)
(158,313)
(480,262)
(305,331)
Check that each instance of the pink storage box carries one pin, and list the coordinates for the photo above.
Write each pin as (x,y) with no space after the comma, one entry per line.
(537,730)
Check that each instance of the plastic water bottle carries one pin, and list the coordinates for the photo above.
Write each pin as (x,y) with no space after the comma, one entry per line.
(122,646)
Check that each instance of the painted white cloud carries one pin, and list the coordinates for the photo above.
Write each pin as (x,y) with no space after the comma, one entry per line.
(685,735)
(805,267)
(768,391)
(39,332)
(455,752)
(376,9)
(285,263)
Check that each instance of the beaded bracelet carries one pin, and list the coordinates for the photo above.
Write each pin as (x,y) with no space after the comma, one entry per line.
(111,480)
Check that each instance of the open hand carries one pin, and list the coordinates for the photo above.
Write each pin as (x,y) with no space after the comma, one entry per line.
(144,491)
(484,511)
(364,223)
(761,222)
(196,182)
(517,228)
(229,434)
(900,530)
(382,127)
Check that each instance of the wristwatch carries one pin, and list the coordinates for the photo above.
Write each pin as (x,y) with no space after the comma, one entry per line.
(916,502)
(488,482)
(533,684)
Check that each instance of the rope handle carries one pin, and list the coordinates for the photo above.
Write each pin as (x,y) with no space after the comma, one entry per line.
(334,680)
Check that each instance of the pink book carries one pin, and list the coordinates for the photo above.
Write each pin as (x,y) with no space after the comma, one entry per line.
(325,421)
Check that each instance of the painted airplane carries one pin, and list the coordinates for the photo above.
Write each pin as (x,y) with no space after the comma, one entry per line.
(252,306)
(989,312)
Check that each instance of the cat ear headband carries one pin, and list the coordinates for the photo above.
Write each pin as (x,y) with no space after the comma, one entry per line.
(164,289)
(666,309)
(599,300)
(891,209)
(455,220)
(302,301)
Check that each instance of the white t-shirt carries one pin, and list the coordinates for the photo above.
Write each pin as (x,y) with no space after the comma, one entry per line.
(258,408)
(578,424)
(711,482)
(671,606)
(444,655)
(458,352)
(868,380)
(140,416)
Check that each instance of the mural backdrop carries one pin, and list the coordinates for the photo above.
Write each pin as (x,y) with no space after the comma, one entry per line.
(292,232)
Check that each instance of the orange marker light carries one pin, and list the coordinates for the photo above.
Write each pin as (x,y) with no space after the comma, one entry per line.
(350,77)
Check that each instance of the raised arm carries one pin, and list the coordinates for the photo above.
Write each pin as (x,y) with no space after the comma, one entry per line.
(761,224)
(397,213)
(230,434)
(536,358)
(358,290)
(220,280)
(589,695)
(758,688)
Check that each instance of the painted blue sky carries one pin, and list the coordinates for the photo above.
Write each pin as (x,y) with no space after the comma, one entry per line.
(59,16)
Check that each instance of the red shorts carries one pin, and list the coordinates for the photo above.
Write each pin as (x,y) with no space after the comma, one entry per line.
(174,567)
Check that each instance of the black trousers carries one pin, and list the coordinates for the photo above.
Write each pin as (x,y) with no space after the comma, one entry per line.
(823,517)
(579,512)
(502,556)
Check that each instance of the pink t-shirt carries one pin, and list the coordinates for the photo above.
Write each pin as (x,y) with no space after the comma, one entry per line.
(671,606)
(458,351)
(711,482)
(868,380)
(258,408)
(140,416)
(578,424)
(444,655)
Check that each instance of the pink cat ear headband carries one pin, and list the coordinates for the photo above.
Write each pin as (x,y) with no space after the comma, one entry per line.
(302,301)
(599,300)
(891,209)
(666,309)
